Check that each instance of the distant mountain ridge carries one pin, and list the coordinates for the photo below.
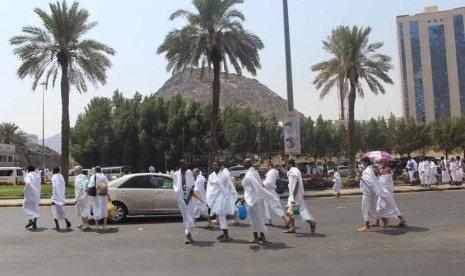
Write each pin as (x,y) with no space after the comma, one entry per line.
(53,142)
(236,91)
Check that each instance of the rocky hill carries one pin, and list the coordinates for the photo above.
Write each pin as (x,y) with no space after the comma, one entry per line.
(53,142)
(236,91)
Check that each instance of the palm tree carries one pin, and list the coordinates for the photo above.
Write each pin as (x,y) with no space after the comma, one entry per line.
(213,37)
(10,133)
(353,58)
(59,48)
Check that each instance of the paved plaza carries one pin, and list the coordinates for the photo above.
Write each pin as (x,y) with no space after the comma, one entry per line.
(432,244)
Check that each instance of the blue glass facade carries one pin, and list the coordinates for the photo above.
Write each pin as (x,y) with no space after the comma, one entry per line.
(404,71)
(439,72)
(417,71)
(460,55)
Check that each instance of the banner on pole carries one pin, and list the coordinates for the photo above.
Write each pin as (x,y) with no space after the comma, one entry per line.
(292,134)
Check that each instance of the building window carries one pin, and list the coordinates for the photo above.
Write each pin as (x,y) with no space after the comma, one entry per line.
(417,71)
(435,20)
(460,56)
(437,43)
(10,158)
(441,20)
(404,72)
(429,21)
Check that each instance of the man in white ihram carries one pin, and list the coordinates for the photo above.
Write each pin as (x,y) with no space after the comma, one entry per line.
(221,198)
(296,197)
(31,193)
(201,207)
(58,199)
(253,193)
(412,167)
(272,206)
(183,185)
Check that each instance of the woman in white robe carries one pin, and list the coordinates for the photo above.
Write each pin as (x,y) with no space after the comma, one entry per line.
(459,170)
(337,183)
(58,199)
(445,176)
(253,193)
(80,198)
(221,198)
(31,203)
(432,173)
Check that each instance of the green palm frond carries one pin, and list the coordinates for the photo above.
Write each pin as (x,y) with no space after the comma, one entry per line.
(215,26)
(62,35)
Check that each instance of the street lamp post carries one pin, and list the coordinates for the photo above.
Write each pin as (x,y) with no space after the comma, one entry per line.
(287,44)
(44,85)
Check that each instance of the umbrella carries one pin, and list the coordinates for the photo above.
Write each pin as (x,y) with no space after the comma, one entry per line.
(377,155)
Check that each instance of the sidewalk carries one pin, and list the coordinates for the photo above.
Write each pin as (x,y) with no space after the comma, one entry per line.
(18,202)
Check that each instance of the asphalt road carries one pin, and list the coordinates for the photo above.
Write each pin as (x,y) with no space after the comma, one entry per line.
(432,244)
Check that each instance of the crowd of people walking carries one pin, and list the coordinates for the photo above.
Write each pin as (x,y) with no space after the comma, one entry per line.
(215,198)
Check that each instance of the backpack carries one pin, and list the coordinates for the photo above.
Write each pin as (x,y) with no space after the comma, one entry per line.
(280,187)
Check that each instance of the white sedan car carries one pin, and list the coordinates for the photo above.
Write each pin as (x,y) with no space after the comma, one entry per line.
(143,194)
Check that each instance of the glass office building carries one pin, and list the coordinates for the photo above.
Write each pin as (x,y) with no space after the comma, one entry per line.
(432,63)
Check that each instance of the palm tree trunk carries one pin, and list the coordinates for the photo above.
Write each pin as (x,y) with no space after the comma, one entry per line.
(351,130)
(215,109)
(342,116)
(64,121)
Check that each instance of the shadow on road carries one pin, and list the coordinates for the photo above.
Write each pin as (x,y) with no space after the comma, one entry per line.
(38,229)
(397,231)
(149,220)
(308,235)
(203,244)
(275,246)
(64,231)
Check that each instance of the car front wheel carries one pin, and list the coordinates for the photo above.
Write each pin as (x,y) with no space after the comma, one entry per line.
(121,212)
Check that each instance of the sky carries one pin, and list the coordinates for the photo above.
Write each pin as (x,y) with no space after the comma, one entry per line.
(136,28)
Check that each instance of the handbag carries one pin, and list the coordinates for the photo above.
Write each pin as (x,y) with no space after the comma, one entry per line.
(102,188)
(92,191)
(241,211)
(296,209)
(111,209)
(279,186)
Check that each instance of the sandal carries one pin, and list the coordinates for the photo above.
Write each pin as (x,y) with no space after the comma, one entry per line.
(363,229)
(289,231)
(225,239)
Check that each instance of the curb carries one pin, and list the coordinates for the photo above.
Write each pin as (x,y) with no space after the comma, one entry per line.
(282,196)
(20,204)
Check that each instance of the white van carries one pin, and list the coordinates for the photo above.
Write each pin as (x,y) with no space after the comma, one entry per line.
(11,175)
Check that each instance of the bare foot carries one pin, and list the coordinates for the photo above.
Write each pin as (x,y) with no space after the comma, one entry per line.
(364,229)
(385,222)
(253,241)
(290,231)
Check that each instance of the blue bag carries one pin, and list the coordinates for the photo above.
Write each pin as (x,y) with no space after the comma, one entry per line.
(241,211)
(280,188)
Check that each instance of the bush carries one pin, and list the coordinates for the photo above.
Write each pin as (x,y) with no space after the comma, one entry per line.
(352,183)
